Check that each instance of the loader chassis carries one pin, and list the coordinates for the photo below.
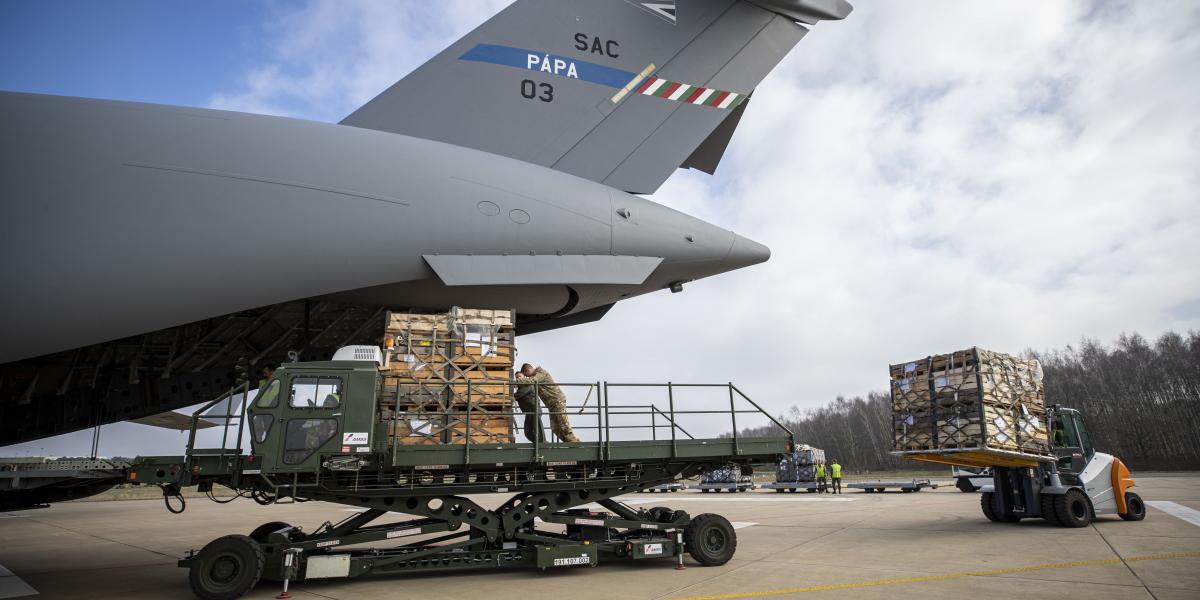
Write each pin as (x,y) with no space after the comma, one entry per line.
(562,509)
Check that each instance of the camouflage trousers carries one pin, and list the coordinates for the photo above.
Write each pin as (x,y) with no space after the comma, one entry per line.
(559,423)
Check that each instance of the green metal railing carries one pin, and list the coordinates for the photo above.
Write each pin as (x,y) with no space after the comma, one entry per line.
(230,417)
(599,419)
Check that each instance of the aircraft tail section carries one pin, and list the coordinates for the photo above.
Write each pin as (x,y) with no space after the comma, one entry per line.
(621,92)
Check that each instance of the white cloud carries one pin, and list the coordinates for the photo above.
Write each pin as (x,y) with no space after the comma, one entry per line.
(331,57)
(929,176)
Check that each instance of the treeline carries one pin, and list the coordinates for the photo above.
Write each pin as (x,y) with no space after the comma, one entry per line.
(1140,401)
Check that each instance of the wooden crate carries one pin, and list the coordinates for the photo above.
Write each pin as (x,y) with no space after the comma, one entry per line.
(910,386)
(482,427)
(976,399)
(913,432)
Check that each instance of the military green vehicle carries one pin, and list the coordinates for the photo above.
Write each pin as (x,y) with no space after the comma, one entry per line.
(317,433)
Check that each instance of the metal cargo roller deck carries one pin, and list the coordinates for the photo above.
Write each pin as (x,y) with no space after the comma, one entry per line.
(331,450)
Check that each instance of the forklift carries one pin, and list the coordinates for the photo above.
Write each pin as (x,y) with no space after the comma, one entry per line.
(1070,490)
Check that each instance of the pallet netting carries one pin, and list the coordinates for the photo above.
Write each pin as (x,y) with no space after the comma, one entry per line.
(972,398)
(447,377)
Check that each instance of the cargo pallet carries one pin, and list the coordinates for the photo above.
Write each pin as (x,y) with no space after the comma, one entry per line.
(793,486)
(914,485)
(550,482)
(674,486)
(740,486)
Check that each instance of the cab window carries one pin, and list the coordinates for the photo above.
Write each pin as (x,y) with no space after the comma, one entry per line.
(269,396)
(261,426)
(306,436)
(1063,433)
(316,392)
(1081,431)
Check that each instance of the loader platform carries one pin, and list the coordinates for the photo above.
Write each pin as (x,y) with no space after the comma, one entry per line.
(574,484)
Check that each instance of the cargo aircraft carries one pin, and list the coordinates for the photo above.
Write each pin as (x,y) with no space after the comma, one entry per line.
(152,252)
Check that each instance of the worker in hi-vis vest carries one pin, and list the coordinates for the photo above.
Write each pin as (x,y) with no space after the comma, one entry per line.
(835,476)
(821,477)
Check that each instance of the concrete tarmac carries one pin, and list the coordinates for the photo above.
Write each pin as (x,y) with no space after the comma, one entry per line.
(931,544)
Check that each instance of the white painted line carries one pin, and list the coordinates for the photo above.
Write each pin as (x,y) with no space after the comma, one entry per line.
(11,516)
(1190,515)
(654,87)
(12,586)
(742,524)
(679,91)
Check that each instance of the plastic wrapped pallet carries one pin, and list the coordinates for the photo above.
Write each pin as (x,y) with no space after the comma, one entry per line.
(800,465)
(726,474)
(973,399)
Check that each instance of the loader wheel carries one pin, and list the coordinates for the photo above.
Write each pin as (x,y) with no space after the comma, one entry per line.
(993,508)
(226,568)
(1073,509)
(710,539)
(1135,508)
(1049,513)
(261,532)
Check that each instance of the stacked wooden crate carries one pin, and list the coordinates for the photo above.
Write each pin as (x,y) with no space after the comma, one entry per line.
(446,377)
(967,400)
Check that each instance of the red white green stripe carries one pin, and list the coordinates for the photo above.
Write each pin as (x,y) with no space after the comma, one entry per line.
(690,94)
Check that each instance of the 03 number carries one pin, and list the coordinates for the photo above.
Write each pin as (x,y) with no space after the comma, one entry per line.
(532,89)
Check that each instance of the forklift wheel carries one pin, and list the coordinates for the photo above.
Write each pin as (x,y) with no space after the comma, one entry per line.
(993,508)
(261,532)
(1048,511)
(710,539)
(226,568)
(1134,507)
(1073,509)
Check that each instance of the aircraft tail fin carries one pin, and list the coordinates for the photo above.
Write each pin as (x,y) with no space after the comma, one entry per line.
(621,92)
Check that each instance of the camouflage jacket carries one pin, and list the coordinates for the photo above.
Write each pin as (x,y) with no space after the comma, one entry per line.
(547,390)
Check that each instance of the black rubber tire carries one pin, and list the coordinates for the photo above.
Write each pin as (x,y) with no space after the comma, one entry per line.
(964,485)
(907,490)
(261,532)
(1136,509)
(1073,509)
(993,509)
(987,504)
(1049,512)
(778,490)
(792,490)
(711,539)
(880,490)
(226,568)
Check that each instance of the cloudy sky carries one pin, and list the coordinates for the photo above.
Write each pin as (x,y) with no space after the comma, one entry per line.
(929,175)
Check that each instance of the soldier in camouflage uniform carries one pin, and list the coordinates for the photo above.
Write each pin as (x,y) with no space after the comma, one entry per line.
(551,395)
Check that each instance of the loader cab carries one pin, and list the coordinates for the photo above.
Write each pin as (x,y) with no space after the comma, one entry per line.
(1070,440)
(308,411)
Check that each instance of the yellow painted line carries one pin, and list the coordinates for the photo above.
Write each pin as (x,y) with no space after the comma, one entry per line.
(882,582)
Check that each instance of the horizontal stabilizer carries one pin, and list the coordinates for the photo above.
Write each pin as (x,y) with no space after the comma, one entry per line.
(601,269)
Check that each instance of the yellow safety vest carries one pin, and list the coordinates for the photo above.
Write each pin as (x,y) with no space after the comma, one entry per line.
(837,470)
(820,470)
